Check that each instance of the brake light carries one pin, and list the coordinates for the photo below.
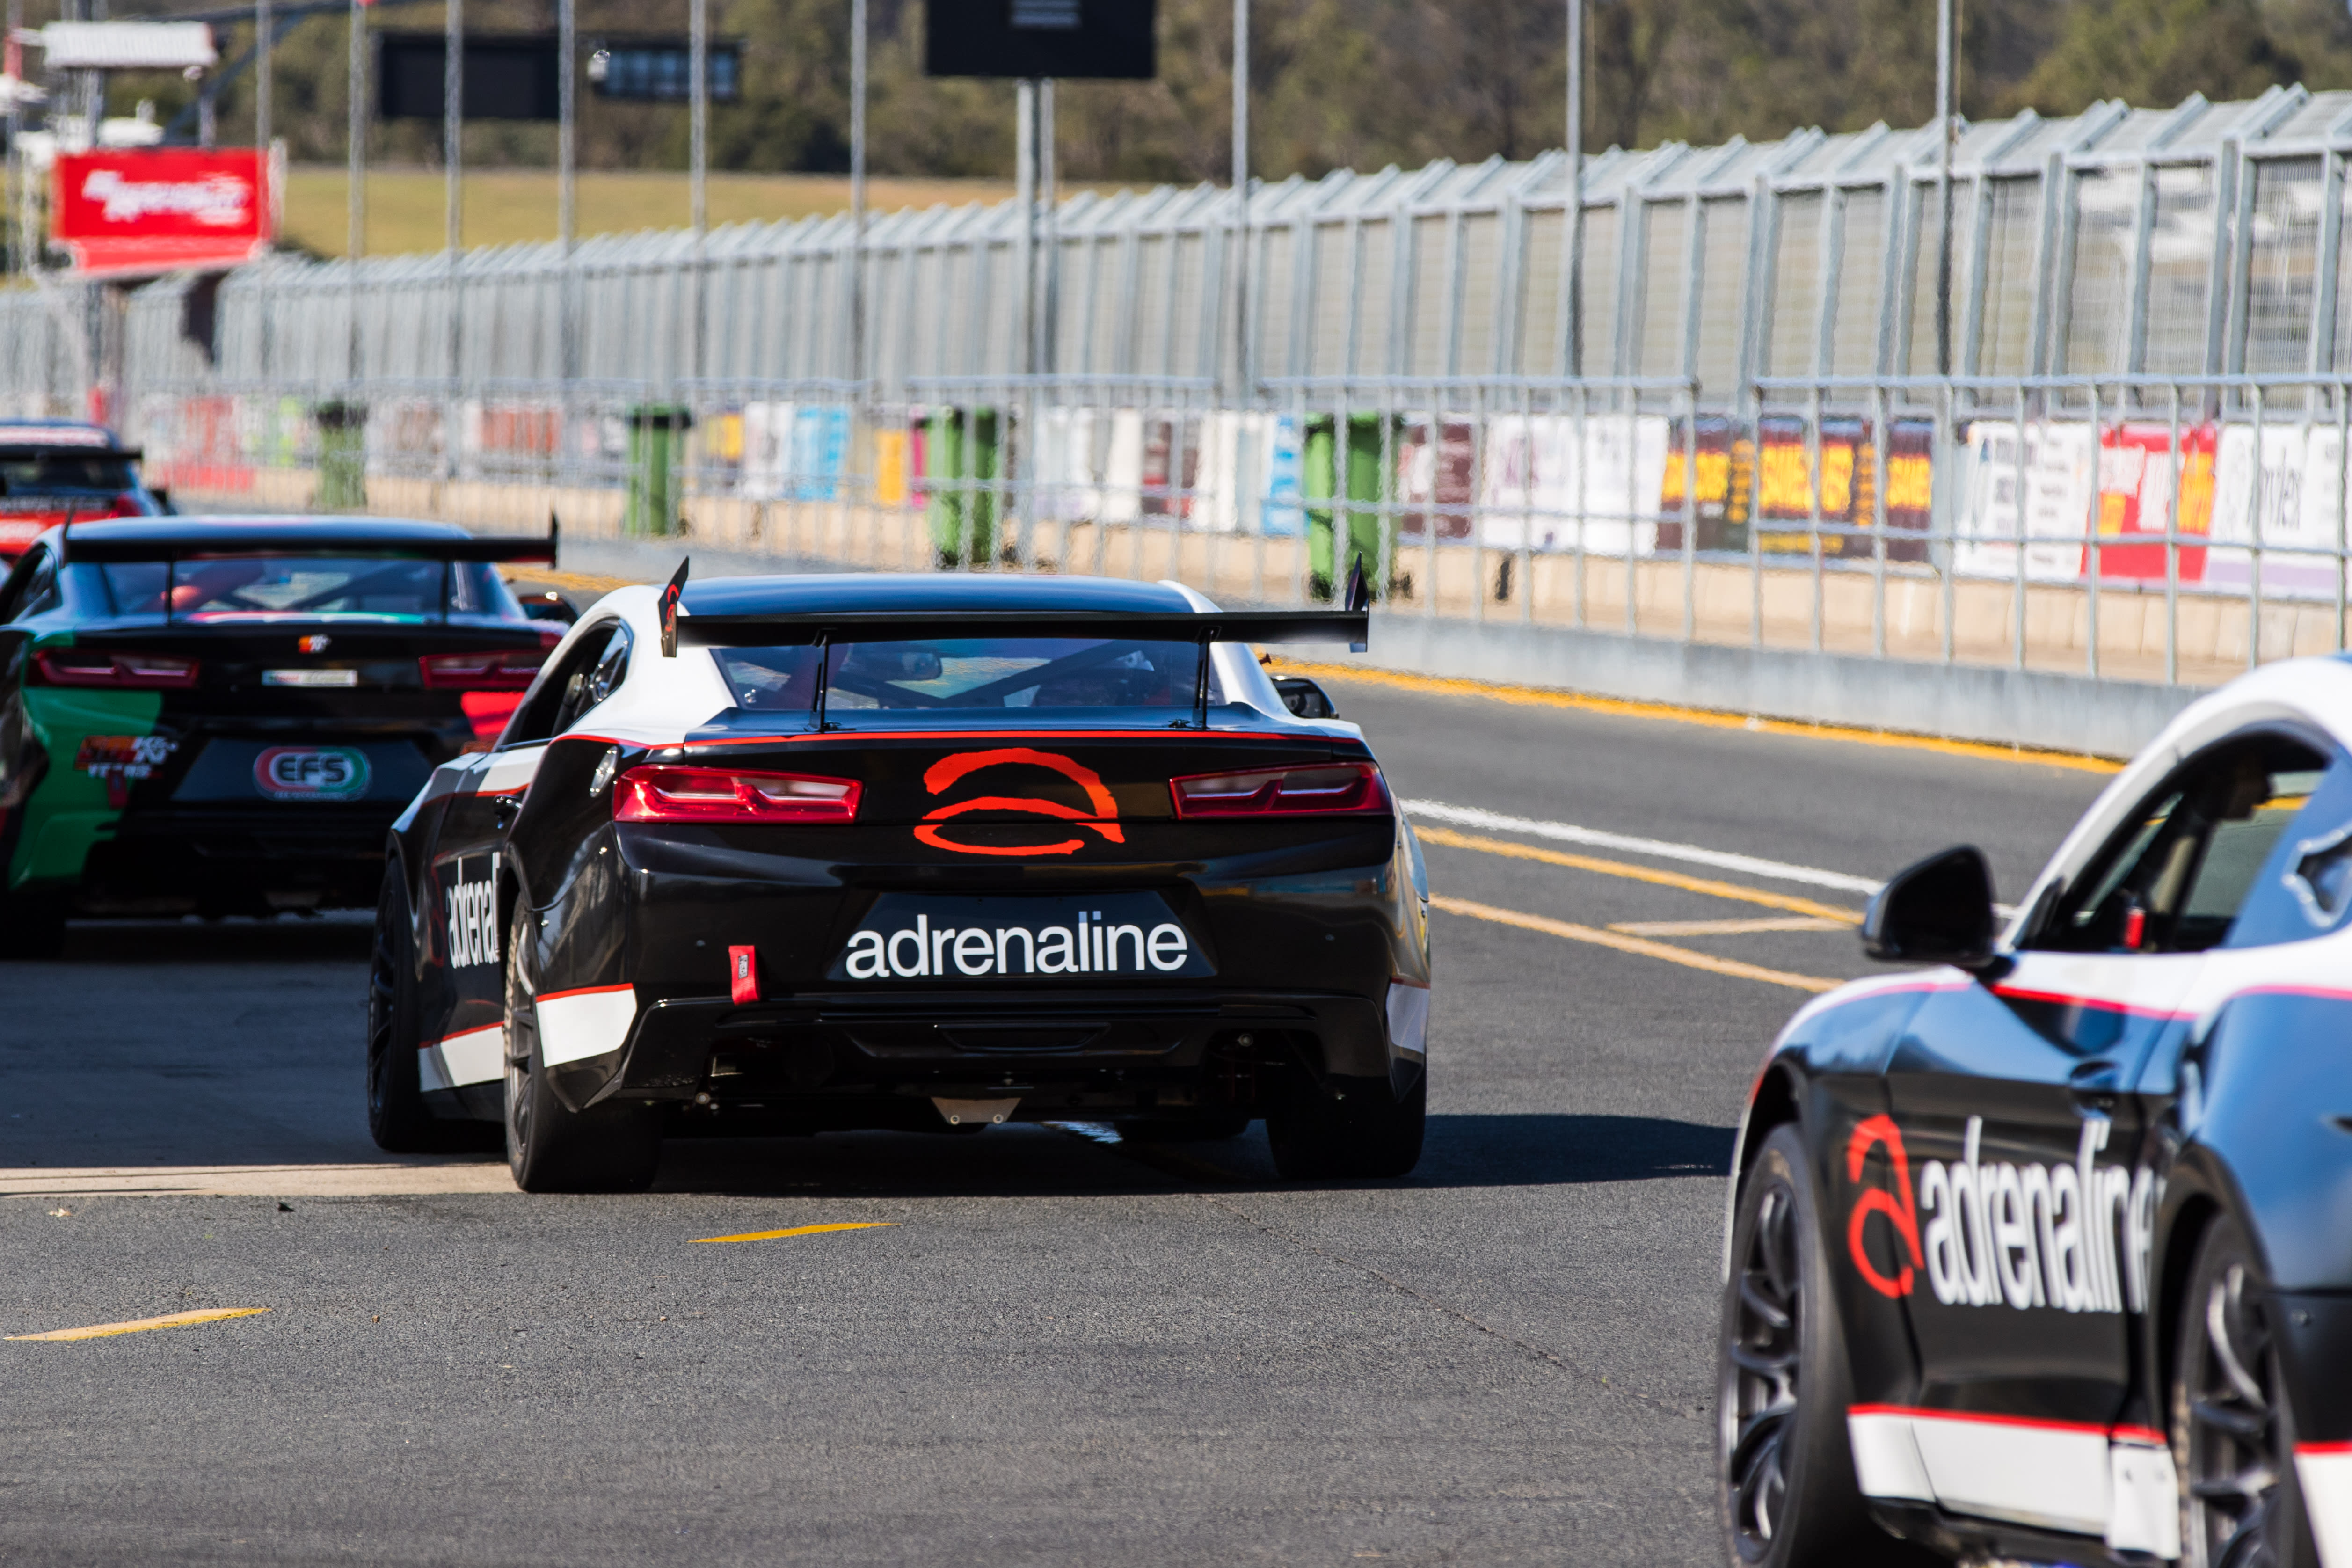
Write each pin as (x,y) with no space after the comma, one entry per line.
(488,669)
(726,794)
(1316,789)
(114,668)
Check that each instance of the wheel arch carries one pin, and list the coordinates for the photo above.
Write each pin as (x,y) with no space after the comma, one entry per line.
(1771,1103)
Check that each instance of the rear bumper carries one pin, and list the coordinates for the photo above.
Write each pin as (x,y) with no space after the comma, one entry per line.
(282,856)
(1060,1053)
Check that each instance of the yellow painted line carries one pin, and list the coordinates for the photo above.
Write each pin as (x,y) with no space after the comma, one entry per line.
(584,582)
(798,1230)
(1641,946)
(1537,697)
(141,1325)
(1724,928)
(1795,906)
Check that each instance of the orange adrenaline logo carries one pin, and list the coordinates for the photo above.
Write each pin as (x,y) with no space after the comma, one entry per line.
(947,771)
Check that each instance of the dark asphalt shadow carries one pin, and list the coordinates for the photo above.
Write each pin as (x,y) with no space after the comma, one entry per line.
(341,935)
(1461,1151)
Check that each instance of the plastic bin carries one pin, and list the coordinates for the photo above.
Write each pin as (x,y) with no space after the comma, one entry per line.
(657,436)
(342,456)
(962,454)
(1361,534)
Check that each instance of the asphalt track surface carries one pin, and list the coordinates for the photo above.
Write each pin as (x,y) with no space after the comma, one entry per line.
(1048,1348)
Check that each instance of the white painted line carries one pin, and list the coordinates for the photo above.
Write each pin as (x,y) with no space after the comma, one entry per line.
(258,1181)
(1691,854)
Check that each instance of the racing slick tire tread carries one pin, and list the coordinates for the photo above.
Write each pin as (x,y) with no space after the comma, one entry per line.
(398,1117)
(1817,1518)
(1360,1132)
(2209,1397)
(550,1148)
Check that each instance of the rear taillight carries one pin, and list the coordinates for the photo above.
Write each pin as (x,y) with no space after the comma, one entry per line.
(726,794)
(491,670)
(1318,789)
(109,667)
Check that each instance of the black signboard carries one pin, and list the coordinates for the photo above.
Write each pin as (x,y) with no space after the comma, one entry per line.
(1100,39)
(661,69)
(507,76)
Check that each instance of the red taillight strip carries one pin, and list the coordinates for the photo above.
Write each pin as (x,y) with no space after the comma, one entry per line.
(668,794)
(1322,789)
(120,669)
(482,669)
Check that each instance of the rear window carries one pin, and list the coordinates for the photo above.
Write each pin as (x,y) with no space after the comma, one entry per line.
(55,472)
(1022,676)
(308,587)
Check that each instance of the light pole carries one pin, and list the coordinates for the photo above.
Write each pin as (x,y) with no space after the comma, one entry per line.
(858,191)
(1573,249)
(697,91)
(453,131)
(355,179)
(1947,122)
(1241,201)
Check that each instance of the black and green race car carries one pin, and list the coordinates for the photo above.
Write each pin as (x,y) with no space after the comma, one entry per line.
(225,716)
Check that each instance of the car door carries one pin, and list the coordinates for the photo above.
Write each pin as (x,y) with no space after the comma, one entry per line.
(463,922)
(2015,1095)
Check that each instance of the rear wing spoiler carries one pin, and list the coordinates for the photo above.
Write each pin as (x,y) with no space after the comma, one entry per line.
(1349,627)
(279,539)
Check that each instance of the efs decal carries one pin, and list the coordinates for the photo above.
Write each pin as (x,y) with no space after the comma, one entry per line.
(1895,1205)
(1103,818)
(312,772)
(2074,1236)
(473,918)
(121,760)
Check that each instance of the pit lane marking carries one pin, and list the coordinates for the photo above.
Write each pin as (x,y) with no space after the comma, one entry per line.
(796,1230)
(1640,946)
(1713,719)
(1794,905)
(143,1325)
(1723,927)
(1664,849)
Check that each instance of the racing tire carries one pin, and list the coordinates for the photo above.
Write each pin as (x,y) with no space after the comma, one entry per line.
(1355,1129)
(1785,1491)
(2233,1430)
(550,1148)
(398,1119)
(31,927)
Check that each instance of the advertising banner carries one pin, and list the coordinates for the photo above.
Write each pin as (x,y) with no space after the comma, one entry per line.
(2288,498)
(2047,479)
(1540,493)
(1434,460)
(156,210)
(2137,485)
(1849,486)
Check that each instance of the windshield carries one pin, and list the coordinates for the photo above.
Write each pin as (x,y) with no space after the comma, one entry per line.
(50,473)
(1025,676)
(251,587)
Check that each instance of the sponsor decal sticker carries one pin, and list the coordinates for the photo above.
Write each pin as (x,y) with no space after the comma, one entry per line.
(913,937)
(473,918)
(743,973)
(2071,1236)
(312,772)
(1100,815)
(121,760)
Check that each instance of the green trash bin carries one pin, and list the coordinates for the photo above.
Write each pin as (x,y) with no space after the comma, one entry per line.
(342,456)
(961,456)
(657,438)
(1319,481)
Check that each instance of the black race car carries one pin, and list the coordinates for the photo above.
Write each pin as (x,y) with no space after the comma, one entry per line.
(225,716)
(2045,1253)
(783,854)
(55,471)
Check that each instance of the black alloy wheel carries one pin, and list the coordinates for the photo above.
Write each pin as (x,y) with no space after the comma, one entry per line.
(1784,1474)
(2231,1430)
(550,1148)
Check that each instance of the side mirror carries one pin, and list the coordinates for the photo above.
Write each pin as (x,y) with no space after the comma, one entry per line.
(549,606)
(1304,697)
(1937,911)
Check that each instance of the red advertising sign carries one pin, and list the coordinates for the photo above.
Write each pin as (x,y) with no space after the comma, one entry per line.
(135,214)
